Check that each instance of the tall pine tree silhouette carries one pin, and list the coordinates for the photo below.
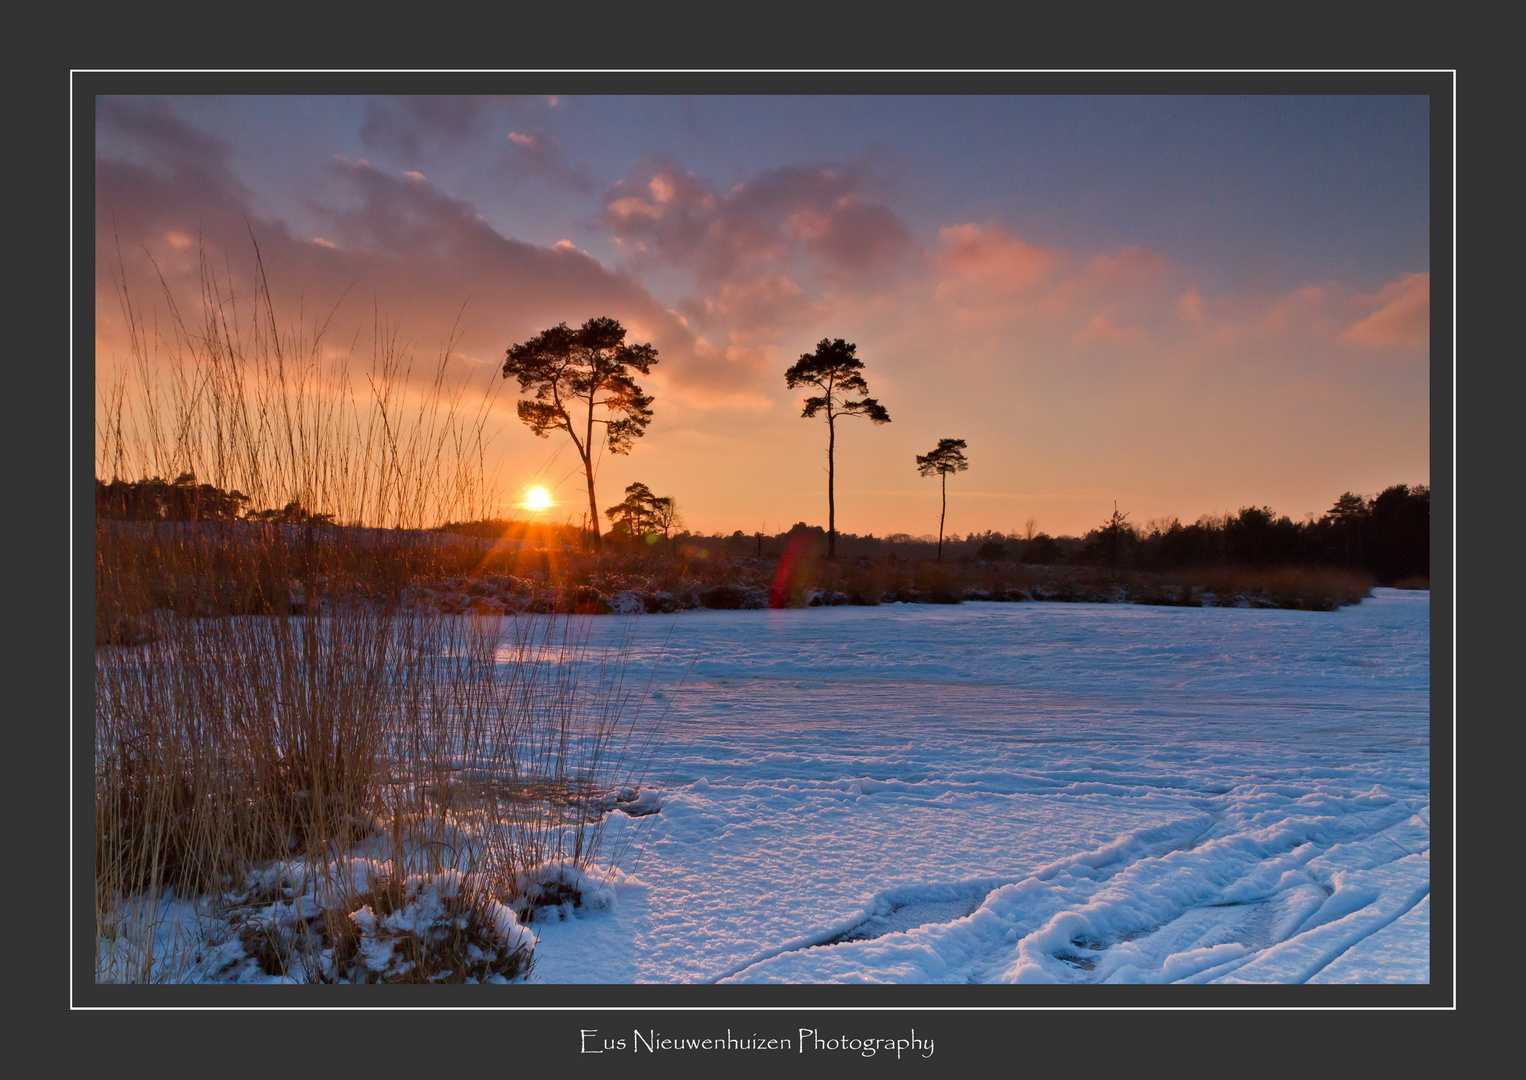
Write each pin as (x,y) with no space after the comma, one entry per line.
(835,371)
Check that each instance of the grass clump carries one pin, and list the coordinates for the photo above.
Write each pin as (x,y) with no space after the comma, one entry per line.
(427,928)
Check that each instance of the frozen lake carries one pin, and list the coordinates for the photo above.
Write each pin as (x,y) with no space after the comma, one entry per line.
(1034,792)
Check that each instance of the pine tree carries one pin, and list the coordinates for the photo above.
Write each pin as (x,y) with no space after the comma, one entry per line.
(587,370)
(835,370)
(947,457)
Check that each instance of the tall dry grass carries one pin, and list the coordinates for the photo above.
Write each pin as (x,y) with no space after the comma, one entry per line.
(1304,588)
(272,706)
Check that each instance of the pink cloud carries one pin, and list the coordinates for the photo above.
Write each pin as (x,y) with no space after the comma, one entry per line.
(1403,315)
(403,126)
(720,377)
(427,259)
(990,256)
(1306,307)
(770,257)
(1134,265)
(988,275)
(539,154)
(1102,329)
(1310,313)
(757,306)
(855,236)
(758,227)
(632,206)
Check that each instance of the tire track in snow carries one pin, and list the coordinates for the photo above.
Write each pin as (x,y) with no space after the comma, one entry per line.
(1183,902)
(879,918)
(1423,892)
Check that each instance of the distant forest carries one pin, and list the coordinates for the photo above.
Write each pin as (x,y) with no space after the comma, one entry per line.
(1387,535)
(183,499)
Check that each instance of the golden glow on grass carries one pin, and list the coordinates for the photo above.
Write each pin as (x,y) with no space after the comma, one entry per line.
(537,498)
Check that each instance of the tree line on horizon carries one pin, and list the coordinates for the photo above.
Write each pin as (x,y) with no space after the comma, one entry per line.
(1387,535)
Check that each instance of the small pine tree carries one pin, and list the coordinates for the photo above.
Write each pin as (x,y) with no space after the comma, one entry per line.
(947,457)
(644,514)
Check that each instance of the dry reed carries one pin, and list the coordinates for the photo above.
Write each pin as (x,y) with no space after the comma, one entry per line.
(277,722)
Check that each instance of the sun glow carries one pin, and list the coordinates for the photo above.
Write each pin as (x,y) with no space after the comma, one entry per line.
(537,498)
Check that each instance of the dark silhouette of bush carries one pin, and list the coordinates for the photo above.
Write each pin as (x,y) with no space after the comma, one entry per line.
(1112,543)
(156,500)
(1257,536)
(1399,533)
(642,515)
(1041,550)
(725,597)
(293,513)
(992,551)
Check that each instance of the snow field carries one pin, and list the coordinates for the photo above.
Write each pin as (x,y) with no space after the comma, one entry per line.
(1023,793)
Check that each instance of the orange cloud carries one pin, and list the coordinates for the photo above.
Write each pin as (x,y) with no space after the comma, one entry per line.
(1310,312)
(1403,316)
(991,256)
(631,206)
(1101,329)
(662,188)
(1133,265)
(714,377)
(1126,297)
(1190,307)
(1302,307)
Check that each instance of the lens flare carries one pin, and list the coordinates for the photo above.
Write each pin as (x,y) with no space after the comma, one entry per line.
(537,498)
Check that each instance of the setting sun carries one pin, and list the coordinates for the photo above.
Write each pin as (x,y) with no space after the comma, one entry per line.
(537,498)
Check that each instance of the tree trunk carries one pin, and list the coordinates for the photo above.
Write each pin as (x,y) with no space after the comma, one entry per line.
(831,498)
(941,515)
(593,507)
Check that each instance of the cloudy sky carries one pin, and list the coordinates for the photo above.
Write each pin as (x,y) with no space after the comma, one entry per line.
(1184,304)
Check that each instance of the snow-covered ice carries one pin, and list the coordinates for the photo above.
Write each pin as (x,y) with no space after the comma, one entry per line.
(1021,793)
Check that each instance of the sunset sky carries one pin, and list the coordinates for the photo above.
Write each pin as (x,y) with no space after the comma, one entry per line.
(1184,304)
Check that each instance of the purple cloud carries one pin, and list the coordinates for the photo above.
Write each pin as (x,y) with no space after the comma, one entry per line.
(403,125)
(426,258)
(537,153)
(766,239)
